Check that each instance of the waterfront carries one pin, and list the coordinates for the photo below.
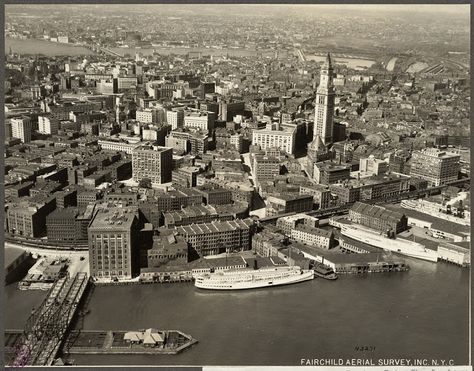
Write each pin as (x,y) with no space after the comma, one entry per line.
(32,46)
(355,63)
(422,313)
(231,52)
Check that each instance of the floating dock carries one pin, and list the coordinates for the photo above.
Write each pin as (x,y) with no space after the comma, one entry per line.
(113,342)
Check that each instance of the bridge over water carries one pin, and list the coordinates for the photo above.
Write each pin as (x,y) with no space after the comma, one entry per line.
(110,52)
(47,326)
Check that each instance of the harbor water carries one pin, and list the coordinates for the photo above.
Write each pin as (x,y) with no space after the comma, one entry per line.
(419,314)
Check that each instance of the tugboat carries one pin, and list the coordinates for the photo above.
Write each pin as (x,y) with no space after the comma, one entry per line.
(325,272)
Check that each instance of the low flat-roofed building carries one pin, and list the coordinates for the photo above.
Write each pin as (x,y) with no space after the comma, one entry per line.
(264,261)
(121,146)
(215,195)
(149,337)
(123,196)
(172,272)
(349,245)
(236,210)
(439,228)
(18,190)
(440,208)
(16,261)
(190,214)
(45,188)
(455,252)
(354,263)
(229,262)
(241,191)
(168,248)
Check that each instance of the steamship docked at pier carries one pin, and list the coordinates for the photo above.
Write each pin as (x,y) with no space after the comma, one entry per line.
(252,279)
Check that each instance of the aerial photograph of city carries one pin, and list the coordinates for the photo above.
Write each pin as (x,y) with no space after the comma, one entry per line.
(237,185)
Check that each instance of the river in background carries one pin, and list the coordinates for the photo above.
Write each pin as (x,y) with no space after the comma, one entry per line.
(33,46)
(354,63)
(30,46)
(422,313)
(231,52)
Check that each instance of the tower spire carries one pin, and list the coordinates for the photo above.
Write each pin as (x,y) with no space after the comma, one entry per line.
(324,104)
(328,62)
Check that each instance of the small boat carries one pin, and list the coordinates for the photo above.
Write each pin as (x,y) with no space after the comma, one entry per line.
(325,272)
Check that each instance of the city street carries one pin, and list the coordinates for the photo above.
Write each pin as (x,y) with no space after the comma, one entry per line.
(76,264)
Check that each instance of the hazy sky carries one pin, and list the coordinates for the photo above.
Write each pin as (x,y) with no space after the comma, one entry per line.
(450,8)
(412,12)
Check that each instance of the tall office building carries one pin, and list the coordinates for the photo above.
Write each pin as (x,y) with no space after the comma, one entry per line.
(147,116)
(175,118)
(21,128)
(113,238)
(203,121)
(435,166)
(275,136)
(152,162)
(324,105)
(47,125)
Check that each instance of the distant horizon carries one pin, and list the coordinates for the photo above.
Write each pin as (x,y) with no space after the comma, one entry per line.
(431,8)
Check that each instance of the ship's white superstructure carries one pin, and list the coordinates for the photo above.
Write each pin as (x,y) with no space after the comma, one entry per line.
(397,245)
(251,279)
